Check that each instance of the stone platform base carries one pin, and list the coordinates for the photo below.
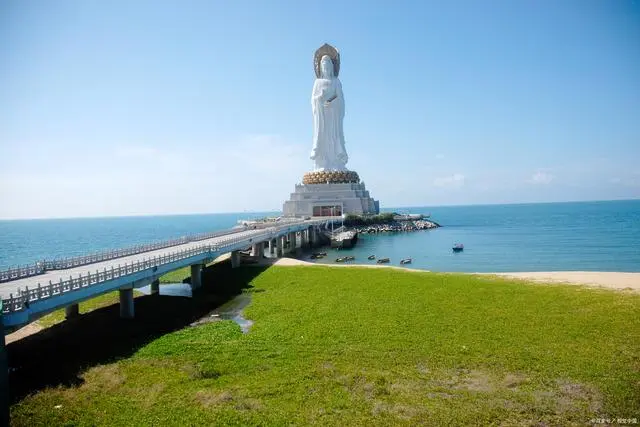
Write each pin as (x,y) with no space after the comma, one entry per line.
(339,193)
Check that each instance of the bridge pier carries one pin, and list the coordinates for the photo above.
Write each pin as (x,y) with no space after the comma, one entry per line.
(155,287)
(235,259)
(196,276)
(4,377)
(279,244)
(272,244)
(310,237)
(71,311)
(292,240)
(126,303)
(257,250)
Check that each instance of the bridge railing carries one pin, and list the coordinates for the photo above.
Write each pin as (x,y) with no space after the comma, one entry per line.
(22,272)
(41,267)
(40,292)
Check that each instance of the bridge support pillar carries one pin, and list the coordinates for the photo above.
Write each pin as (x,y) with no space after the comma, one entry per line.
(279,241)
(196,276)
(315,236)
(71,311)
(311,233)
(4,377)
(272,243)
(235,259)
(155,287)
(257,249)
(292,239)
(126,303)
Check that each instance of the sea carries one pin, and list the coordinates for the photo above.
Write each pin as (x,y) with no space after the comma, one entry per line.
(575,236)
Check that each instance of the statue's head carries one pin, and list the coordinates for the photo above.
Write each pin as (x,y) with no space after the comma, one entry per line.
(326,67)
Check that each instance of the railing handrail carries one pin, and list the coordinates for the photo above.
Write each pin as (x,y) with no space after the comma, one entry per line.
(40,267)
(24,297)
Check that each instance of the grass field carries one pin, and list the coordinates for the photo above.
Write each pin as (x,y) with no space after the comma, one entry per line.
(346,346)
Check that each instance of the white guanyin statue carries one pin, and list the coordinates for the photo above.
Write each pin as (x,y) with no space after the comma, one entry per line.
(327,104)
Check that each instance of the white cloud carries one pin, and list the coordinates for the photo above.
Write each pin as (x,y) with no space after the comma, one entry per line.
(540,178)
(454,181)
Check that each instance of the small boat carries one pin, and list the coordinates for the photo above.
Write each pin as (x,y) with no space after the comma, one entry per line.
(371,257)
(458,247)
(383,260)
(405,261)
(340,260)
(349,258)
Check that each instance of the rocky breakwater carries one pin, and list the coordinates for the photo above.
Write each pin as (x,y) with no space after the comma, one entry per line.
(397,226)
(388,222)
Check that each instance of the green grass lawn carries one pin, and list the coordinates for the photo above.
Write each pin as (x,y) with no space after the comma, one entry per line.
(357,346)
(176,276)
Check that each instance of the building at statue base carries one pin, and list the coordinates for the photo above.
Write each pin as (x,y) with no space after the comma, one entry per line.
(330,193)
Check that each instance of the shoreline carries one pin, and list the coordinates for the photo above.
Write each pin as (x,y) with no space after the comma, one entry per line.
(599,279)
(617,281)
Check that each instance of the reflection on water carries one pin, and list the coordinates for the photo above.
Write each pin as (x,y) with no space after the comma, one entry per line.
(170,289)
(231,310)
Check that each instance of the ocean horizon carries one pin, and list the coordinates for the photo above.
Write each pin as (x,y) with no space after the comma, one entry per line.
(548,236)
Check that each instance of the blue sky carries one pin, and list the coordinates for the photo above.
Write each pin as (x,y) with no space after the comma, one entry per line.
(160,107)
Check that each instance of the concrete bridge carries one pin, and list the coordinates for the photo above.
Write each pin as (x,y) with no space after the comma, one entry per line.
(30,293)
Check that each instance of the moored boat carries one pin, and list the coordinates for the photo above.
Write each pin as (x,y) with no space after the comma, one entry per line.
(371,257)
(383,260)
(405,261)
(458,247)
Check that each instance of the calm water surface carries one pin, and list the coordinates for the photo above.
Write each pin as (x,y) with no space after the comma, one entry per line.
(591,236)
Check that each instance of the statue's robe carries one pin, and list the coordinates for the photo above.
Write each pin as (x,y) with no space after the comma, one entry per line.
(328,151)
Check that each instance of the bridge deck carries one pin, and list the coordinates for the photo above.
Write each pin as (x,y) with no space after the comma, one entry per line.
(55,275)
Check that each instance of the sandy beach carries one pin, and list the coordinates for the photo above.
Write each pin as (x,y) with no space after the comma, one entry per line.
(288,262)
(603,279)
